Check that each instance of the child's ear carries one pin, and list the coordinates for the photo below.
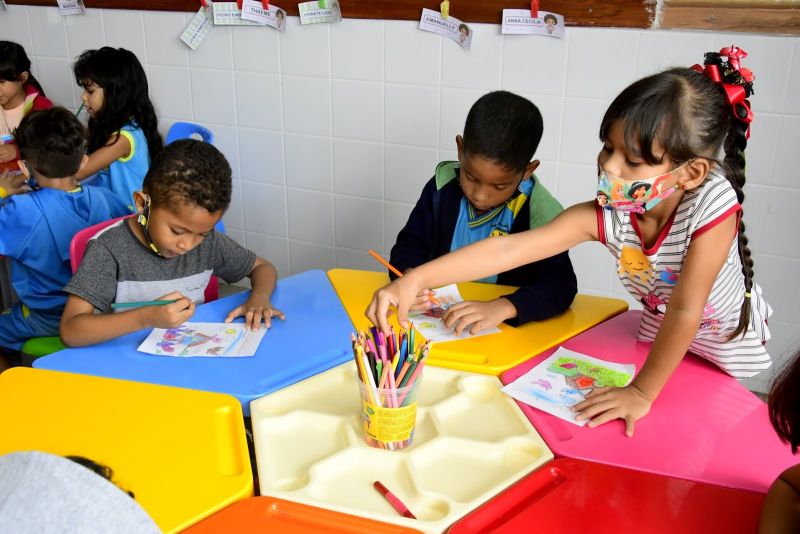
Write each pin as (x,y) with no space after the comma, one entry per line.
(26,170)
(694,173)
(460,146)
(531,167)
(23,77)
(139,200)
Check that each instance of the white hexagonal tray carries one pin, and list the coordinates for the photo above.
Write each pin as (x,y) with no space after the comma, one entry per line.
(471,442)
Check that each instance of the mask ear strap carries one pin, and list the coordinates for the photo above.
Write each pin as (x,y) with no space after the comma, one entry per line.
(144,221)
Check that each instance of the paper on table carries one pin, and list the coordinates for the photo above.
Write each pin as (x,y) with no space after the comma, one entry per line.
(429,323)
(564,379)
(210,340)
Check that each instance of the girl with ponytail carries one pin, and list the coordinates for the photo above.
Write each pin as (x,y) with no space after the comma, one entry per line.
(680,243)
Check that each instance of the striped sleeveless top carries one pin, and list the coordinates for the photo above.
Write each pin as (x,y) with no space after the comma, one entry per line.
(650,274)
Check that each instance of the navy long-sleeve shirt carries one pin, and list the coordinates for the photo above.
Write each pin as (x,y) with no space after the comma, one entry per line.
(546,287)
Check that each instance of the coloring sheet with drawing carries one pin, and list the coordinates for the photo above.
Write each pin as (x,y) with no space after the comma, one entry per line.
(429,323)
(207,340)
(564,379)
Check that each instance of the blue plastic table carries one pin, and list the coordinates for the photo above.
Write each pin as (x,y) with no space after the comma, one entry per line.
(314,337)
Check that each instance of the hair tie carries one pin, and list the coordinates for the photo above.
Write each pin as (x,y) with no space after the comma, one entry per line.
(747,295)
(736,81)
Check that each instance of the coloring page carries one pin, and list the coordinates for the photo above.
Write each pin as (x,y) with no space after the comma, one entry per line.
(208,340)
(429,323)
(564,379)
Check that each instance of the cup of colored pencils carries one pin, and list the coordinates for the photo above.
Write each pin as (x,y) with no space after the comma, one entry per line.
(390,377)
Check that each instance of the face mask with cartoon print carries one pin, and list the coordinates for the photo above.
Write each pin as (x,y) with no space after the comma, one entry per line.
(614,193)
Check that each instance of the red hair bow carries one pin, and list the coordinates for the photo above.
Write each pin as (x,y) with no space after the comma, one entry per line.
(736,93)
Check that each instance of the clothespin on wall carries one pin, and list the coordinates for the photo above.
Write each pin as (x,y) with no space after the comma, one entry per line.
(265,4)
(205,3)
(534,9)
(444,8)
(239,4)
(323,4)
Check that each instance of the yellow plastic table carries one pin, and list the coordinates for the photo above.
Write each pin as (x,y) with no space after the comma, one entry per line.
(493,354)
(182,452)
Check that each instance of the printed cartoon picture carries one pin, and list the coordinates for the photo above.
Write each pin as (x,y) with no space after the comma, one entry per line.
(633,262)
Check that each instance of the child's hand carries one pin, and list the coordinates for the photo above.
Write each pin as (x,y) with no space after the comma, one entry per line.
(254,309)
(423,300)
(13,184)
(7,153)
(401,293)
(477,316)
(605,404)
(170,315)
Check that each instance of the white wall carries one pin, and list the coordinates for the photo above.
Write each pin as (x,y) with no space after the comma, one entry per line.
(332,130)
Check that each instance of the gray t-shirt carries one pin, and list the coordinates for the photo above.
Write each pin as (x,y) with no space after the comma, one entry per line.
(117,267)
(42,493)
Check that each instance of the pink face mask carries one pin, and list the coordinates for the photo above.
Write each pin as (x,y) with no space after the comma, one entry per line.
(639,196)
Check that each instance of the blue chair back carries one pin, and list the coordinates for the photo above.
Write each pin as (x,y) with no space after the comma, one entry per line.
(188,130)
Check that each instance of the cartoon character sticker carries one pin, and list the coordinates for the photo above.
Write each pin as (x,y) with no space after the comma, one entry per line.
(633,262)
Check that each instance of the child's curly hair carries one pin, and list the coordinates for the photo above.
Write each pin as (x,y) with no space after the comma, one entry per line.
(190,171)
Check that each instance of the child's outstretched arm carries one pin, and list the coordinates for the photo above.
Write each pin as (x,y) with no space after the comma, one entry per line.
(257,306)
(11,184)
(575,225)
(119,147)
(80,326)
(704,259)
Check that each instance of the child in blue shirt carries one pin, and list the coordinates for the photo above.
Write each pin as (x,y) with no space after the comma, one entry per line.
(36,228)
(491,190)
(123,134)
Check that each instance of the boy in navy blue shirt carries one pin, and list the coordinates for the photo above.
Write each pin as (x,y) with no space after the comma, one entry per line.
(36,227)
(491,190)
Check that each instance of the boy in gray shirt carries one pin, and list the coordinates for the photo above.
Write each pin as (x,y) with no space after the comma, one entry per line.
(168,252)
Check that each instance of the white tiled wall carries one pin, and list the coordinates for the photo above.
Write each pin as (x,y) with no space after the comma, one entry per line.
(332,130)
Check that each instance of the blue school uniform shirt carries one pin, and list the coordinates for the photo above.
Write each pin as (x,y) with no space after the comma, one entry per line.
(472,227)
(126,175)
(35,233)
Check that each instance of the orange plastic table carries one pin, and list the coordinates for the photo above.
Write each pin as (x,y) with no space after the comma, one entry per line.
(493,354)
(182,452)
(258,515)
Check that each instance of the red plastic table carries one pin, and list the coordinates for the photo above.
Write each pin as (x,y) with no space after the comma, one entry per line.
(575,496)
(705,425)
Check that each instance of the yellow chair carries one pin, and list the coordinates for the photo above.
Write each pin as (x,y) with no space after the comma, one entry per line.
(493,354)
(182,452)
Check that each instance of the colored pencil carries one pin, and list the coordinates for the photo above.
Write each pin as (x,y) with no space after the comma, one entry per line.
(392,499)
(384,262)
(117,305)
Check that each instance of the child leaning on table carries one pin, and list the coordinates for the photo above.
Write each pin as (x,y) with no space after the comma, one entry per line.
(681,249)
(36,227)
(168,251)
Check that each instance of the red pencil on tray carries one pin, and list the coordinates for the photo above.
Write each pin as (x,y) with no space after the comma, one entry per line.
(396,503)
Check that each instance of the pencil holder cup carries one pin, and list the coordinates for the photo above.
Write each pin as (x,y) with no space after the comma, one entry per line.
(389,415)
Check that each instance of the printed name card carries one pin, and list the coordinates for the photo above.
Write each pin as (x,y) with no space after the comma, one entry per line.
(229,14)
(451,27)
(520,22)
(273,17)
(197,29)
(71,7)
(316,12)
